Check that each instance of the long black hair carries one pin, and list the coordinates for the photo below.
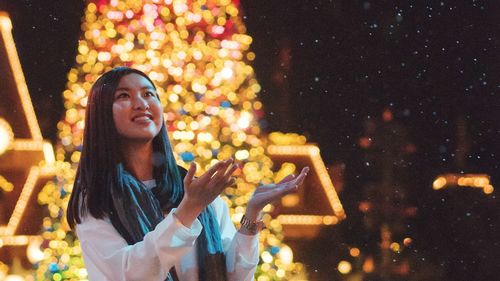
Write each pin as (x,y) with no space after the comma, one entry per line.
(103,187)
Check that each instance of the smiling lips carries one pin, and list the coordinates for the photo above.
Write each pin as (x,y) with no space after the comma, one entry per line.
(143,117)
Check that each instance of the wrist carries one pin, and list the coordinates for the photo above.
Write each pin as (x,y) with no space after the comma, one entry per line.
(252,213)
(187,212)
(250,226)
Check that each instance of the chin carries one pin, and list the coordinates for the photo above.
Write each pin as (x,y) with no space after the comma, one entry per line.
(140,137)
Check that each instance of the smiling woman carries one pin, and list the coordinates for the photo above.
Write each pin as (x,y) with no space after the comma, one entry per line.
(137,111)
(137,214)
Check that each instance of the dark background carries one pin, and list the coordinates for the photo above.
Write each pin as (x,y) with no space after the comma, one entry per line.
(328,67)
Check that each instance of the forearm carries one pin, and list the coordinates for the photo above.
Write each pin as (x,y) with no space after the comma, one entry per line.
(106,253)
(187,212)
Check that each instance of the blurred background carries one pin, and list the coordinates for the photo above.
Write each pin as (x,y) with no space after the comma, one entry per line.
(398,95)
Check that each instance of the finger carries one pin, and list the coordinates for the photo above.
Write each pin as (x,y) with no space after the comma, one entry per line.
(266,187)
(287,178)
(231,181)
(209,174)
(229,173)
(300,178)
(304,171)
(276,194)
(233,167)
(190,174)
(224,171)
(221,169)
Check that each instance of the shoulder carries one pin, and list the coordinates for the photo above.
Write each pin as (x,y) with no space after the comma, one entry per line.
(89,221)
(92,230)
(89,224)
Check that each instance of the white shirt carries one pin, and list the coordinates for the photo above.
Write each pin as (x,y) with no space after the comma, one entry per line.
(108,257)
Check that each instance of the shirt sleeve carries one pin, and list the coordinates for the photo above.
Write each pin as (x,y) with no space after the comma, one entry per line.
(107,255)
(242,251)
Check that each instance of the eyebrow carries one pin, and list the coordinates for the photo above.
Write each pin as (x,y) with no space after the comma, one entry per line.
(128,89)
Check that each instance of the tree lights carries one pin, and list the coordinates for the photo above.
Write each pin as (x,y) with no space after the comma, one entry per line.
(197,54)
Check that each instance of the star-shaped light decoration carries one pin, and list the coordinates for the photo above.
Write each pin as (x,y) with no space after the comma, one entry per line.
(316,205)
(26,159)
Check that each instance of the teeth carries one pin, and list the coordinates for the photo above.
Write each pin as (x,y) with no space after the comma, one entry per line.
(142,118)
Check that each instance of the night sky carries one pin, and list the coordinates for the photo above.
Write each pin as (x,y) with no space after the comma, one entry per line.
(326,69)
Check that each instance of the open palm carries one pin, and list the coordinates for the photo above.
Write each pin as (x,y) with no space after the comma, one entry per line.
(266,194)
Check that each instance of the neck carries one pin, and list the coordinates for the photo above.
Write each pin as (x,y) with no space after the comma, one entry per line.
(138,159)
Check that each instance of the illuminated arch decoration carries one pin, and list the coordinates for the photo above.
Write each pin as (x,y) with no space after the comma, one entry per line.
(27,161)
(317,203)
(479,181)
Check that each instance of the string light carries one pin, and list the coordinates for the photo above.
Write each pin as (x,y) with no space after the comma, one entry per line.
(22,89)
(197,55)
(313,154)
(344,267)
(5,185)
(480,181)
(6,136)
(33,147)
(33,175)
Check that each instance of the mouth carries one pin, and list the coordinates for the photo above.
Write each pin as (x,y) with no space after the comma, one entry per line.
(142,118)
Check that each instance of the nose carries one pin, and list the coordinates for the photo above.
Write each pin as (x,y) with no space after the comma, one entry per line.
(140,103)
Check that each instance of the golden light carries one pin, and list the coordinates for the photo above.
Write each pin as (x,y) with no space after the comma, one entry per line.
(4,269)
(5,185)
(244,120)
(407,241)
(14,278)
(36,155)
(33,251)
(286,255)
(22,88)
(48,153)
(266,257)
(395,247)
(354,252)
(242,154)
(206,86)
(290,200)
(488,189)
(344,267)
(480,181)
(368,265)
(6,135)
(82,273)
(439,183)
(313,153)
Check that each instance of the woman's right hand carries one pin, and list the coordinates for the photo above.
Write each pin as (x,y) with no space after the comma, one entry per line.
(199,192)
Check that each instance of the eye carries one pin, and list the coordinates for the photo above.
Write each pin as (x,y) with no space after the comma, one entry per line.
(150,94)
(122,95)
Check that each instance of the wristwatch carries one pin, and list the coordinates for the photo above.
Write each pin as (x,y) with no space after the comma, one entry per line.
(252,226)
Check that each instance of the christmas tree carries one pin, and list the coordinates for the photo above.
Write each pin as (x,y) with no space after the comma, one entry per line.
(197,53)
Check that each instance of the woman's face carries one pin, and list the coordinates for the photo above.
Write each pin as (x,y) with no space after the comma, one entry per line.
(137,112)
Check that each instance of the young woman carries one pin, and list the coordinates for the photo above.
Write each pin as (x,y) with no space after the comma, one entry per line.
(137,214)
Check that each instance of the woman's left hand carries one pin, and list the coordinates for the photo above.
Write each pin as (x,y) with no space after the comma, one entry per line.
(269,193)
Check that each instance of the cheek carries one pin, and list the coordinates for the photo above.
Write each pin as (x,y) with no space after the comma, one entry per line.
(119,116)
(158,111)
